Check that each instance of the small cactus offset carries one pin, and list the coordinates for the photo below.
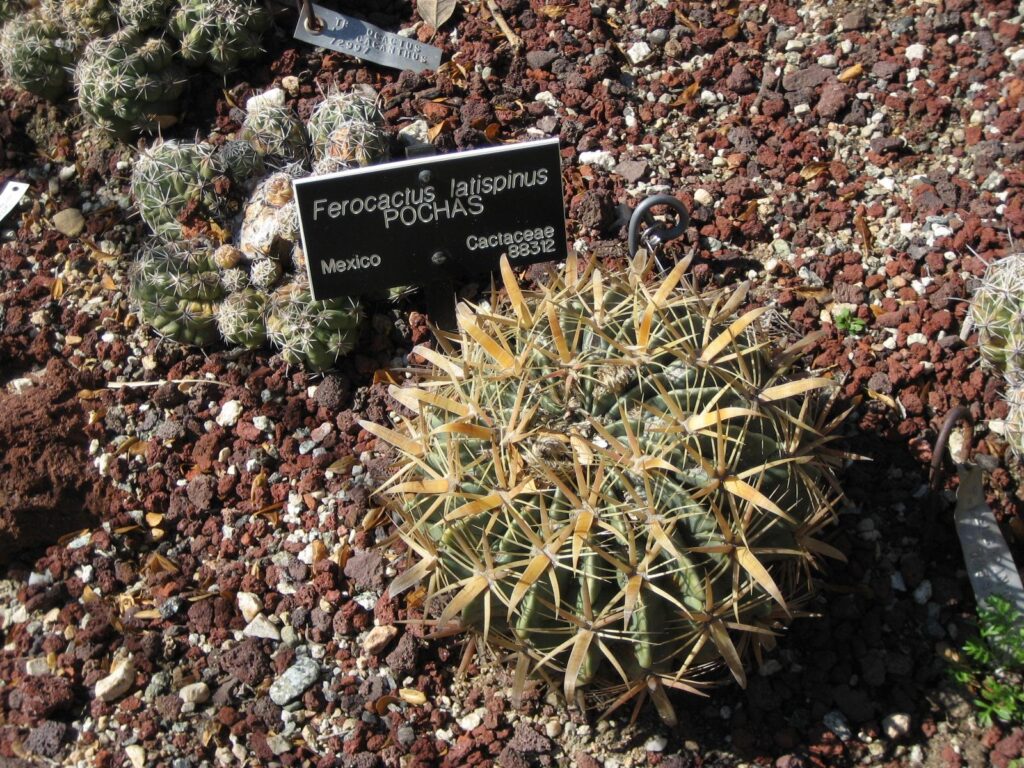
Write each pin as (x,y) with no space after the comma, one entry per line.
(313,334)
(273,129)
(345,131)
(129,82)
(171,177)
(997,311)
(220,34)
(35,54)
(177,287)
(614,479)
(241,318)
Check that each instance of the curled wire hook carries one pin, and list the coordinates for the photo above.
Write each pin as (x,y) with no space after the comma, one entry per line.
(940,460)
(655,236)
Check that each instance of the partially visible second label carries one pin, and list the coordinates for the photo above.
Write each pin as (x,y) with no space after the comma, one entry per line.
(10,195)
(345,34)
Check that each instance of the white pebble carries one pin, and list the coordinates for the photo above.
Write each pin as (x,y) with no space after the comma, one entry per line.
(249,604)
(916,52)
(897,725)
(261,627)
(229,413)
(703,197)
(923,593)
(656,743)
(470,721)
(116,684)
(638,52)
(195,693)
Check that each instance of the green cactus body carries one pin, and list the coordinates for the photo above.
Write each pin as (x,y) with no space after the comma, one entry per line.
(997,311)
(241,318)
(83,19)
(35,54)
(345,131)
(313,334)
(129,82)
(243,163)
(171,177)
(274,131)
(9,9)
(614,479)
(144,15)
(176,288)
(350,145)
(220,34)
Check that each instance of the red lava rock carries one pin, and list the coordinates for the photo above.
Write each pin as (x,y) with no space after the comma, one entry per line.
(366,569)
(42,695)
(48,484)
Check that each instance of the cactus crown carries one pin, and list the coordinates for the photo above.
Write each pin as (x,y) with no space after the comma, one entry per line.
(615,480)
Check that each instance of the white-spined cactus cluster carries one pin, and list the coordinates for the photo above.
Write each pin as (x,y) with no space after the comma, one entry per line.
(255,283)
(129,75)
(997,312)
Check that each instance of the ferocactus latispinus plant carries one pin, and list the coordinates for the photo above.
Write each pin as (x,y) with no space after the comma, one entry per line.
(35,54)
(997,311)
(129,82)
(615,479)
(220,34)
(345,131)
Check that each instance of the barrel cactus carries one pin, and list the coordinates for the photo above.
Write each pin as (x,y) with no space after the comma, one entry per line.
(35,54)
(220,34)
(313,334)
(176,287)
(172,178)
(615,479)
(129,82)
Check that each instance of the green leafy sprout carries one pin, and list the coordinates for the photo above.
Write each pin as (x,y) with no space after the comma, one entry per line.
(847,321)
(993,670)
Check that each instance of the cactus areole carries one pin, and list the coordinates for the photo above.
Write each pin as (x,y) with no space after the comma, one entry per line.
(616,479)
(432,219)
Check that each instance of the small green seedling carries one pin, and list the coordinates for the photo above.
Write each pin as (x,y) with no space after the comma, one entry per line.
(846,321)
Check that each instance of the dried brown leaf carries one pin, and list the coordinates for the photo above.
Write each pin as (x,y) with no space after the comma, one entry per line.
(812,170)
(435,12)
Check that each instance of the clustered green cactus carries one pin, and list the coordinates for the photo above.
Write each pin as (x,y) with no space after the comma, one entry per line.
(614,479)
(177,289)
(997,311)
(129,82)
(220,34)
(35,53)
(261,276)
